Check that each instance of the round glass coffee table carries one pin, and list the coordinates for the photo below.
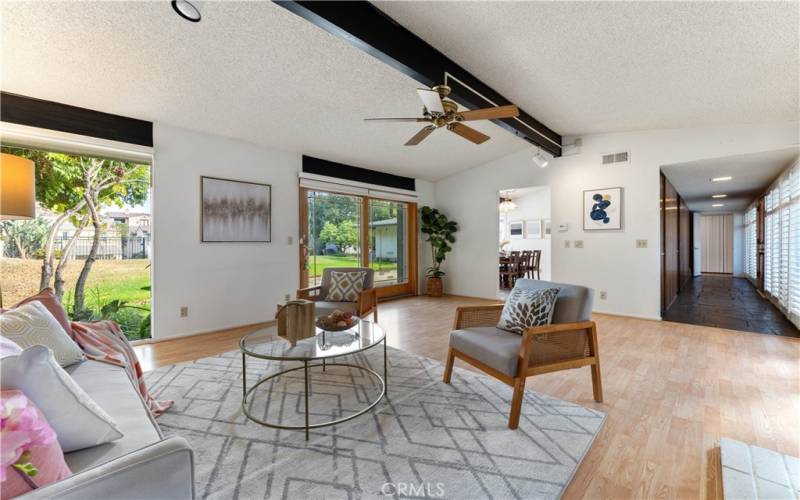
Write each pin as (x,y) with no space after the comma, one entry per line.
(313,351)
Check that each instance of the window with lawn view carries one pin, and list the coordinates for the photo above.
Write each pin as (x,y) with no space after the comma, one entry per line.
(354,231)
(90,240)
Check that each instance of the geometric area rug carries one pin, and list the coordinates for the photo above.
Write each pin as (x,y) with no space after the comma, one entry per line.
(425,439)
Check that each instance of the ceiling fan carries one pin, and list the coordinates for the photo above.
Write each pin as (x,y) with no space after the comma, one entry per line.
(442,112)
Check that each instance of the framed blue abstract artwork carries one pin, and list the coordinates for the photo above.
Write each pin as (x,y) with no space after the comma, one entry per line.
(602,209)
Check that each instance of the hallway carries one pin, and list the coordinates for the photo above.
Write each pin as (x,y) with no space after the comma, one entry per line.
(728,302)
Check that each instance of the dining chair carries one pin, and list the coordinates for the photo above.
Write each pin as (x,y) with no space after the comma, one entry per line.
(536,260)
(526,260)
(509,274)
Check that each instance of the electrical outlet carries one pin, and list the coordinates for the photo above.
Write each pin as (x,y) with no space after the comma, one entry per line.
(287,297)
(566,243)
(184,311)
(641,243)
(578,243)
(603,295)
(291,240)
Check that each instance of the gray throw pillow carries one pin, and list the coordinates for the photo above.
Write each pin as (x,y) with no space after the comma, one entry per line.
(526,308)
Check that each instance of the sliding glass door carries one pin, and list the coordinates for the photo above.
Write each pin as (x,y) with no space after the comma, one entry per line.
(333,232)
(343,230)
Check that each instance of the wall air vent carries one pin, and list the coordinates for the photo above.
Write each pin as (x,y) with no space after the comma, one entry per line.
(615,158)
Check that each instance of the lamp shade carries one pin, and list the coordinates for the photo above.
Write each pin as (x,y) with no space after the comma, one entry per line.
(17,188)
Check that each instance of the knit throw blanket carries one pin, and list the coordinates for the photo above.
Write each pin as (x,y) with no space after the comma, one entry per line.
(104,341)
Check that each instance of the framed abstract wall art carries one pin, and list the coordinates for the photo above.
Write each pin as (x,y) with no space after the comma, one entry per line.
(602,209)
(533,229)
(235,211)
(515,230)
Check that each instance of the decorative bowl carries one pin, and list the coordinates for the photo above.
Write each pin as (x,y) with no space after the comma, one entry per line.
(326,323)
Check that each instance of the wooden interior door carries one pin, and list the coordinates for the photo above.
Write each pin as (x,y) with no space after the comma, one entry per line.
(670,250)
(717,243)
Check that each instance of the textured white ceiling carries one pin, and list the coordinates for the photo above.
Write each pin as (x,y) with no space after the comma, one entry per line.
(752,174)
(587,67)
(249,70)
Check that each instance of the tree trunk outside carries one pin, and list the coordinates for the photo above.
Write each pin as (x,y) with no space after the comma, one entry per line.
(64,259)
(47,261)
(80,284)
(18,244)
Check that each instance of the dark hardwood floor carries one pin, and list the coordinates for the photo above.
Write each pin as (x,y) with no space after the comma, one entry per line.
(728,302)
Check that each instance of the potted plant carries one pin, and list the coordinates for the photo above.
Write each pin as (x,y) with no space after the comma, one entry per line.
(439,230)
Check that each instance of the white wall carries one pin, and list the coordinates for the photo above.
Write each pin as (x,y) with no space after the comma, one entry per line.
(531,206)
(223,284)
(609,260)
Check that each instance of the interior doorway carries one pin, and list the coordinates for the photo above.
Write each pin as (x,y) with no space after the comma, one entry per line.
(733,216)
(524,236)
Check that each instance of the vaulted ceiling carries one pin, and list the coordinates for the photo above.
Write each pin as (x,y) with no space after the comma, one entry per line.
(257,72)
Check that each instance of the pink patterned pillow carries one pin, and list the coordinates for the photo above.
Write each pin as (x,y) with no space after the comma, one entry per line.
(31,455)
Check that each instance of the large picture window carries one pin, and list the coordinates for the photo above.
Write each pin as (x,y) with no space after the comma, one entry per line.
(782,243)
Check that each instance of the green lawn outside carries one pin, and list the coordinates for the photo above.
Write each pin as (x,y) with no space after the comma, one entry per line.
(317,263)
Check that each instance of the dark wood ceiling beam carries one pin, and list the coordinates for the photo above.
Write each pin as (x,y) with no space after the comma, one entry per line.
(364,26)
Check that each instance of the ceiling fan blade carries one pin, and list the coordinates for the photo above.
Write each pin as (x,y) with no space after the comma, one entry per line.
(468,133)
(419,136)
(396,119)
(509,111)
(431,100)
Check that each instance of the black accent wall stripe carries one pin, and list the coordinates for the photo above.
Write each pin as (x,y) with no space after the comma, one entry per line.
(319,166)
(22,110)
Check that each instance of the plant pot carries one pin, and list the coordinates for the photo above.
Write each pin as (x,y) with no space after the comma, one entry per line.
(434,286)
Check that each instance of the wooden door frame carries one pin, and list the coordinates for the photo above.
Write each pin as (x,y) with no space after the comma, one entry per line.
(409,288)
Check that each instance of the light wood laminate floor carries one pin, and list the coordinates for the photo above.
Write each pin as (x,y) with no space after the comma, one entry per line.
(671,391)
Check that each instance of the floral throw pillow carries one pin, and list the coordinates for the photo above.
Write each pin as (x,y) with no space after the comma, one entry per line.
(346,286)
(526,308)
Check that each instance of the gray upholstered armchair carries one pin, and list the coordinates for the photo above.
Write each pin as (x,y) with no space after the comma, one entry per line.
(570,341)
(367,300)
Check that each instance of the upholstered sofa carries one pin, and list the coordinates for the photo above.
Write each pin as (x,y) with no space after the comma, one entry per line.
(142,464)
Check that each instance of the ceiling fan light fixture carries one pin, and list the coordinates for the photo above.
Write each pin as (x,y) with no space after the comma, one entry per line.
(506,205)
(187,10)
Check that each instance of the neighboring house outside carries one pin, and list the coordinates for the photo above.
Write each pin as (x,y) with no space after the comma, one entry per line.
(385,233)
(114,244)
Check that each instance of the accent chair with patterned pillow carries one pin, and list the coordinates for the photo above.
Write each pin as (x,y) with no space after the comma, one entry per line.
(348,289)
(543,327)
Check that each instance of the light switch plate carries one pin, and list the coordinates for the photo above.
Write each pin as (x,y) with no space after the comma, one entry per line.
(641,243)
(566,243)
(578,243)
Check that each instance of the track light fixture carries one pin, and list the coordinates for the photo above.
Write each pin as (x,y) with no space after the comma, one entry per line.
(540,159)
(187,10)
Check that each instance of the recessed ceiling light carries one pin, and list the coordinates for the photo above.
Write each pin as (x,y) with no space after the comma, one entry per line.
(719,195)
(721,179)
(717,205)
(186,10)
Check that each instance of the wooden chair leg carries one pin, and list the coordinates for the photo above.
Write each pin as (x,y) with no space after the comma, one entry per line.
(516,403)
(597,383)
(448,367)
